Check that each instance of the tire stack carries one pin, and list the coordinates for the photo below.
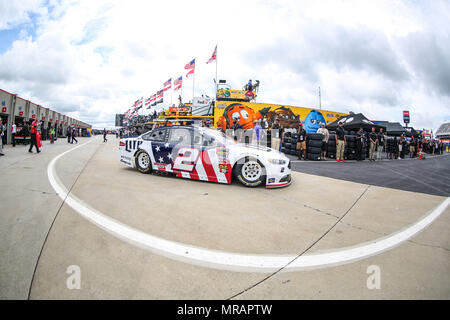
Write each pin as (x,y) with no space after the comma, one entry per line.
(314,146)
(391,147)
(331,146)
(350,150)
(289,144)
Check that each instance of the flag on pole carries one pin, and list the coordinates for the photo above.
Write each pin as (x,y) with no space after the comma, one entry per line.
(138,102)
(168,84)
(178,83)
(147,101)
(160,94)
(153,98)
(190,66)
(213,57)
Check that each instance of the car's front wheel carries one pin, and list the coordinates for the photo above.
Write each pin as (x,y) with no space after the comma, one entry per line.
(143,162)
(251,173)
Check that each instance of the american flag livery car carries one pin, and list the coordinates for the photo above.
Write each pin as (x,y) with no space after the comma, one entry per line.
(205,154)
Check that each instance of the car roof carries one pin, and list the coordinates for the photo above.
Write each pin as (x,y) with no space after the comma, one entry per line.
(176,126)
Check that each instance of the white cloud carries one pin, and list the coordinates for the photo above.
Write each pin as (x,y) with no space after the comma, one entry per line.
(95,58)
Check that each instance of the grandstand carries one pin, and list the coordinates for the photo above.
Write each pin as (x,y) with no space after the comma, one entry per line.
(443,133)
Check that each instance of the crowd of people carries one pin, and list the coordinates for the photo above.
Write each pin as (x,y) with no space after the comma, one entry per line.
(34,131)
(378,144)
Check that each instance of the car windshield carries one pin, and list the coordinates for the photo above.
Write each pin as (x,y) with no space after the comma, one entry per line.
(215,135)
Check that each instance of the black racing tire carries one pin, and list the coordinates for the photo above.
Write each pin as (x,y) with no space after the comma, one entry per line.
(315,136)
(143,162)
(250,172)
(349,138)
(351,145)
(314,150)
(315,143)
(314,156)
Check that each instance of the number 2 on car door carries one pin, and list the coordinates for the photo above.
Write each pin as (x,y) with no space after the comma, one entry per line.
(186,159)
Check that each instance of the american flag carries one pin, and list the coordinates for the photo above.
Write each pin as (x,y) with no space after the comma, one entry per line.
(163,155)
(190,65)
(138,102)
(147,101)
(160,94)
(178,83)
(168,84)
(213,57)
(153,98)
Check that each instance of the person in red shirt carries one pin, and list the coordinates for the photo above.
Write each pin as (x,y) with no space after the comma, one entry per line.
(34,133)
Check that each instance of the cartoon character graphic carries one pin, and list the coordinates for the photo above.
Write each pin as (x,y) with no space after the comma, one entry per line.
(287,118)
(243,114)
(313,121)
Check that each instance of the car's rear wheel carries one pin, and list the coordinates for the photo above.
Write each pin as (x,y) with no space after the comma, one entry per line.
(251,173)
(143,162)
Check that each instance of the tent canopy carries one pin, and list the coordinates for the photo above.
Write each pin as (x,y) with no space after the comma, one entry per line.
(354,122)
(394,129)
(410,132)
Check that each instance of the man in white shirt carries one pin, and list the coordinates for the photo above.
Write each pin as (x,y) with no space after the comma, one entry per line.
(13,134)
(326,136)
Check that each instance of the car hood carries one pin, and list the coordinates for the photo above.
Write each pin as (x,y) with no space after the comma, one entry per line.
(259,150)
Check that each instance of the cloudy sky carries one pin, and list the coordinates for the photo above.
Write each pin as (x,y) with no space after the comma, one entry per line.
(93,59)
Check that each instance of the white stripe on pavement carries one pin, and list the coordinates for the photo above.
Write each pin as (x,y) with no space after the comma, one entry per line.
(264,263)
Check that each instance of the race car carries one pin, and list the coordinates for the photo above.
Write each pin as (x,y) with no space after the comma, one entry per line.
(205,154)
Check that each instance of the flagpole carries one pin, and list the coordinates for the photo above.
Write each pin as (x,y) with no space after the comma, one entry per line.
(217,80)
(193,87)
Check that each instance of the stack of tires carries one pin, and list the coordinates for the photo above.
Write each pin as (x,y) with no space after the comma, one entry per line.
(350,150)
(314,146)
(392,147)
(289,144)
(331,146)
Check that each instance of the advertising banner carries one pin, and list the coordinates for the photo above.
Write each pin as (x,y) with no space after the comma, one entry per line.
(406,116)
(235,94)
(201,106)
(290,117)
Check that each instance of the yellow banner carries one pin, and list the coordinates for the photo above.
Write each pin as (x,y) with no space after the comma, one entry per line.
(290,117)
(234,94)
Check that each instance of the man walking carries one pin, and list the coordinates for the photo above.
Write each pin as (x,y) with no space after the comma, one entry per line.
(13,133)
(326,136)
(373,138)
(73,133)
(381,143)
(2,133)
(69,134)
(104,135)
(301,142)
(52,134)
(340,143)
(34,132)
